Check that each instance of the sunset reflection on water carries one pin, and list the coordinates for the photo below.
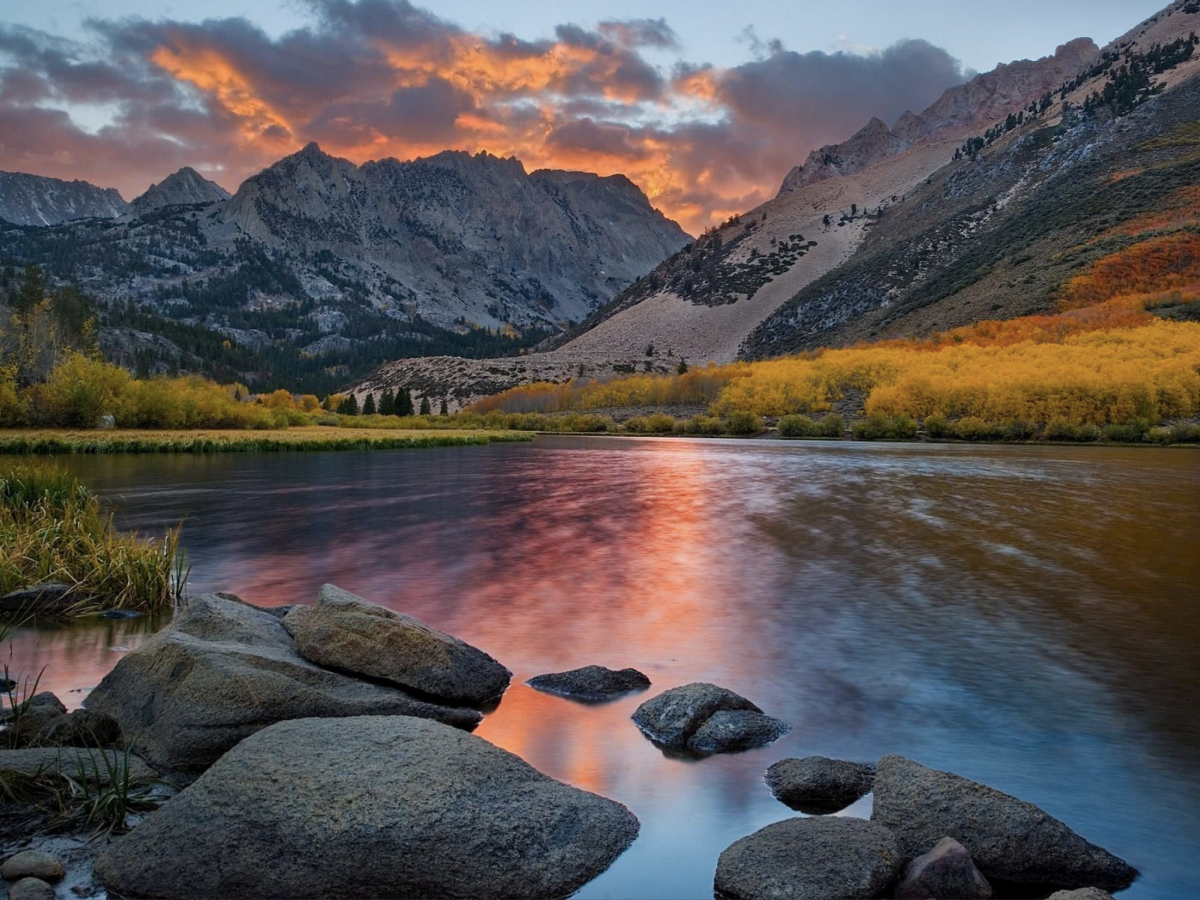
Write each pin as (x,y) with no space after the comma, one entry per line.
(1025,616)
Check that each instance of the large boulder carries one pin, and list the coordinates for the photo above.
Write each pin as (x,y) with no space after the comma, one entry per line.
(223,670)
(344,631)
(81,728)
(671,718)
(728,731)
(369,807)
(590,683)
(1008,839)
(96,766)
(810,859)
(31,719)
(817,785)
(944,873)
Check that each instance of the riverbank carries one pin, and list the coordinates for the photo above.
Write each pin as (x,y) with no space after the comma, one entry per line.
(48,441)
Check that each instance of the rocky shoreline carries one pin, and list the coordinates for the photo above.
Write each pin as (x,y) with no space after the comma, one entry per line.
(325,751)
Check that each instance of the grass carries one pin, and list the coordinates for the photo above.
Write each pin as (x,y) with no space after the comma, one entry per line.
(42,442)
(53,529)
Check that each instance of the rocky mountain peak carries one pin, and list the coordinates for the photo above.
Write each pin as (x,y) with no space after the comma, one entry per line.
(185,187)
(38,200)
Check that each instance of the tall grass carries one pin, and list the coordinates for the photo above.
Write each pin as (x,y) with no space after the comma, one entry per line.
(53,529)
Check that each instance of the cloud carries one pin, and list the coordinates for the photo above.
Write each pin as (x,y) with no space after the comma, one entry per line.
(378,78)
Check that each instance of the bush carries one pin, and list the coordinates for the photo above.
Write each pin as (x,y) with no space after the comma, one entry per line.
(1058,430)
(798,427)
(937,428)
(1017,430)
(1174,434)
(884,428)
(709,425)
(1127,433)
(743,422)
(972,428)
(658,423)
(832,426)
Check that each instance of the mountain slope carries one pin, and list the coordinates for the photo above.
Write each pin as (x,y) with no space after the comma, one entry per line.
(183,188)
(37,200)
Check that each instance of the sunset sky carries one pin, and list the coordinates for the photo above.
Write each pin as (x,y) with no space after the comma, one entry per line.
(706,106)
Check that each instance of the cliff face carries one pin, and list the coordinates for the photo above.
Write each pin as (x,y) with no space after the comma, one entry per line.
(36,200)
(184,188)
(969,107)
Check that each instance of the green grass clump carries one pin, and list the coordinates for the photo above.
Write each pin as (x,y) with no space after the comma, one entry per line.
(53,529)
(831,426)
(884,428)
(657,423)
(1058,430)
(740,422)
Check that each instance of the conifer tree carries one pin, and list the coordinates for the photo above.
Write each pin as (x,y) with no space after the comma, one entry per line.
(387,403)
(425,410)
(349,406)
(445,409)
(404,404)
(369,405)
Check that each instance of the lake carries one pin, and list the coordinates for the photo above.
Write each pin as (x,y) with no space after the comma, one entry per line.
(1028,617)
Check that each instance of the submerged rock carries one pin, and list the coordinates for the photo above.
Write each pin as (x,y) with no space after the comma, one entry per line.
(944,873)
(1007,838)
(810,859)
(591,683)
(671,718)
(729,731)
(224,670)
(817,785)
(33,864)
(369,807)
(47,598)
(345,632)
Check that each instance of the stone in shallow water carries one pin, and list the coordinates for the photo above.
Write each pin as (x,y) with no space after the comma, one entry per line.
(1008,839)
(591,683)
(345,632)
(30,889)
(223,670)
(33,864)
(944,873)
(810,859)
(47,598)
(369,807)
(817,785)
(671,718)
(729,731)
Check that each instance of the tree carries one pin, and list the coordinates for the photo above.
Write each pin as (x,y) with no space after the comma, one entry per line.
(826,220)
(425,410)
(445,409)
(404,404)
(32,290)
(387,403)
(649,349)
(349,406)
(682,367)
(368,408)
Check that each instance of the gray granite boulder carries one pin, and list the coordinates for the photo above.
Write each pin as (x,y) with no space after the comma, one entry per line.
(810,859)
(1008,839)
(33,864)
(944,873)
(32,718)
(223,670)
(81,728)
(48,598)
(591,683)
(345,632)
(96,765)
(1087,893)
(729,731)
(817,785)
(31,889)
(369,807)
(671,718)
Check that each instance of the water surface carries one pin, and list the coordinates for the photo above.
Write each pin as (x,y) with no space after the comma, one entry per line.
(1028,617)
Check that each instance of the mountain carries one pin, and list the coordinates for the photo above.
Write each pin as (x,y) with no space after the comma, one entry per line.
(37,200)
(316,270)
(183,188)
(971,209)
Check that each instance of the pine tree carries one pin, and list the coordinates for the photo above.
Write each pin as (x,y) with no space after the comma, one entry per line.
(682,367)
(387,403)
(31,292)
(349,406)
(425,410)
(369,405)
(404,404)
(445,409)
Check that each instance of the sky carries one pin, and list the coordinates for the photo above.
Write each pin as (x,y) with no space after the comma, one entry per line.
(705,106)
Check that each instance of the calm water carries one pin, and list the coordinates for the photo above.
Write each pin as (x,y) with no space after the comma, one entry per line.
(1028,617)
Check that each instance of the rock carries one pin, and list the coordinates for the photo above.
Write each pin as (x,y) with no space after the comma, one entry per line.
(1087,893)
(728,731)
(223,670)
(120,614)
(817,785)
(32,864)
(369,807)
(40,713)
(48,598)
(31,889)
(671,718)
(944,873)
(591,683)
(1007,838)
(810,859)
(345,632)
(76,762)
(81,728)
